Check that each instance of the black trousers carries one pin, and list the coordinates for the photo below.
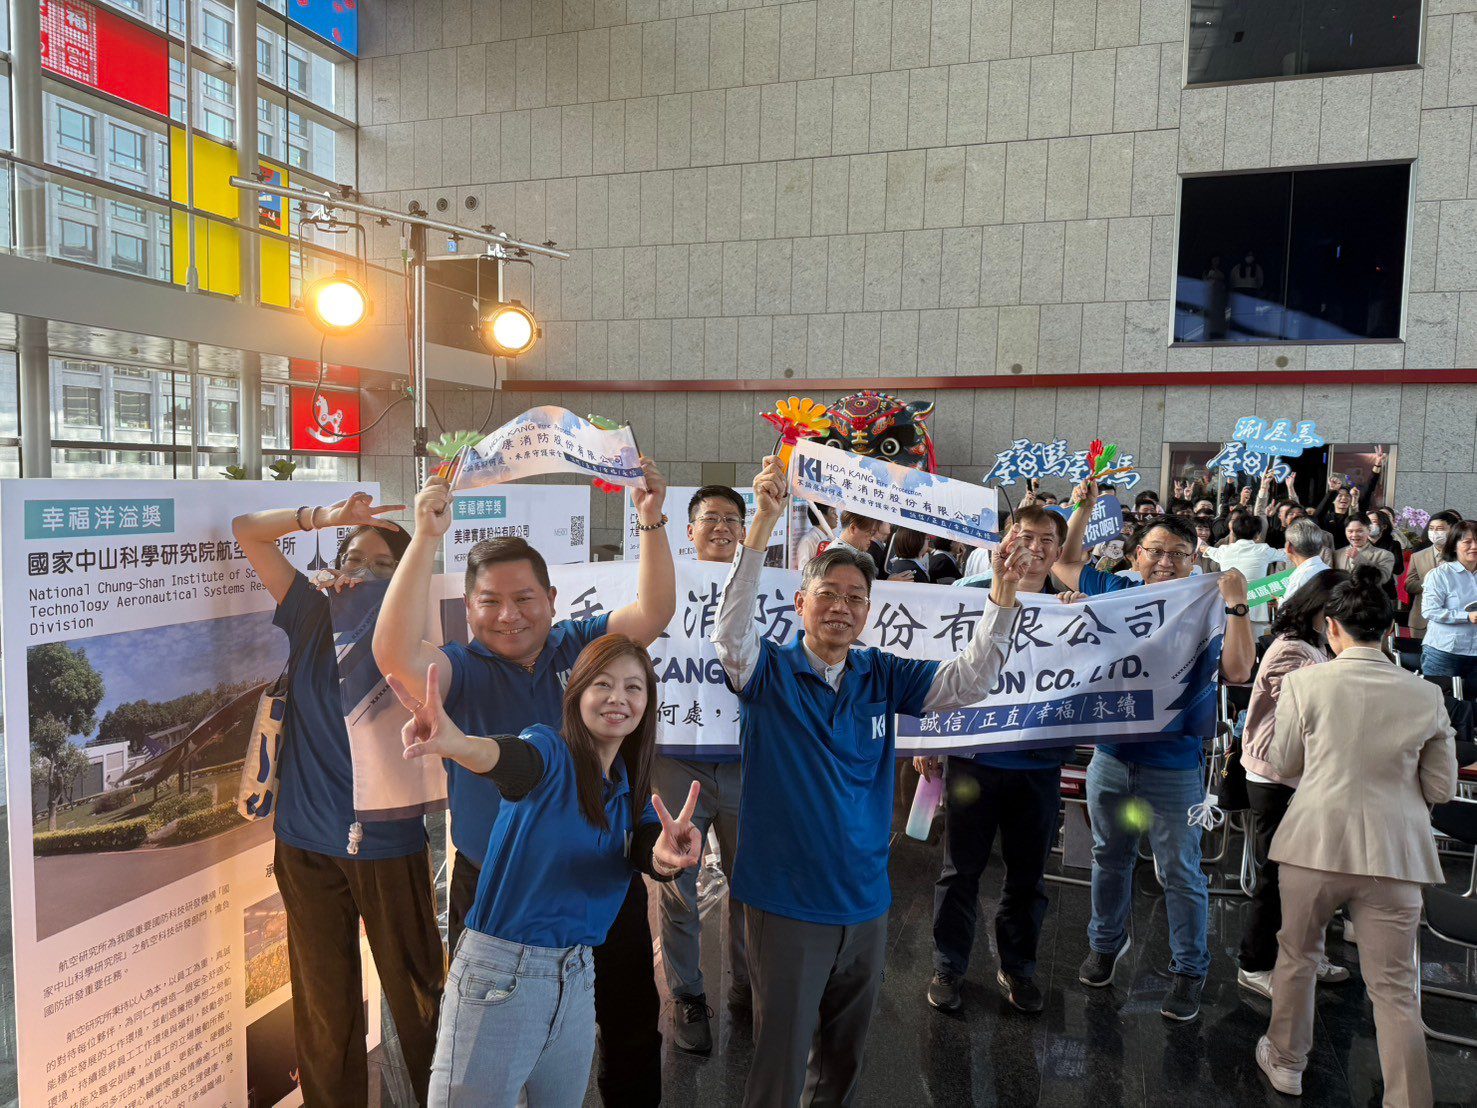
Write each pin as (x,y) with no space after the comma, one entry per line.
(1259,940)
(1024,806)
(627,1007)
(325,898)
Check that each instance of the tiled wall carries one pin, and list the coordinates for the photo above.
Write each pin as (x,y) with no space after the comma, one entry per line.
(855,188)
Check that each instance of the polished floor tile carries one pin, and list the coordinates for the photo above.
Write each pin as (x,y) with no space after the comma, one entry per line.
(1091,1047)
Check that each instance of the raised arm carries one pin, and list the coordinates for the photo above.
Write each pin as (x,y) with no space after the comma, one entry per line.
(1068,568)
(1263,495)
(400,648)
(735,638)
(968,678)
(645,618)
(258,532)
(1238,649)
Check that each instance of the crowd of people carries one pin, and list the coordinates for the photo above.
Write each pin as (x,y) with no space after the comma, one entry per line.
(566,816)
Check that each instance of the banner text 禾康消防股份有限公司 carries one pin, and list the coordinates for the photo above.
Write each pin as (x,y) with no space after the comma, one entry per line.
(547,440)
(1121,667)
(136,642)
(904,497)
(682,546)
(553,519)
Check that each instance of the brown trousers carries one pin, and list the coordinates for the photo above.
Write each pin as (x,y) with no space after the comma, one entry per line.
(1386,915)
(325,898)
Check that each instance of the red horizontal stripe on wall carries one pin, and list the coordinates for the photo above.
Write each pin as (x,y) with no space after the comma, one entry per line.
(1271,378)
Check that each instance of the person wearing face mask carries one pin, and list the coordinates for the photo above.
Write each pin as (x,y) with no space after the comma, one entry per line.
(1372,748)
(817,738)
(1166,775)
(1383,534)
(509,677)
(1014,793)
(327,889)
(1449,603)
(577,825)
(1423,561)
(1297,641)
(716,517)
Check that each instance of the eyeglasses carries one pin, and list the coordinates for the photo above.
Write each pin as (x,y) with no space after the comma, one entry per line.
(1178,557)
(380,567)
(827,597)
(708,519)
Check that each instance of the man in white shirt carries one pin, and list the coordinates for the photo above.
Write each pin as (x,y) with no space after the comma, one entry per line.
(1251,556)
(811,542)
(1306,543)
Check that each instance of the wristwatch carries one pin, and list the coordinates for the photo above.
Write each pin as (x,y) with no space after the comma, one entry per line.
(1237,609)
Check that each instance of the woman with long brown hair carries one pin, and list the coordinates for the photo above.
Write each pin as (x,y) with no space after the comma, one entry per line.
(518,1015)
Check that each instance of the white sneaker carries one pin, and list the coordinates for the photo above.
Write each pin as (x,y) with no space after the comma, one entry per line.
(1256,981)
(1349,932)
(1283,1080)
(1330,974)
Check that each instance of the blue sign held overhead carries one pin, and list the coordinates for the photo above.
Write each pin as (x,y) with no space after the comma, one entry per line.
(1257,447)
(1105,525)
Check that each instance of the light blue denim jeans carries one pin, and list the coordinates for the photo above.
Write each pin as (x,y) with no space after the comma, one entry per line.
(516,1022)
(1169,794)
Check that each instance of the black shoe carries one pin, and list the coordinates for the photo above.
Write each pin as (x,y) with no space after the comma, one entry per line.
(946,991)
(1182,1002)
(694,1035)
(1021,991)
(1097,969)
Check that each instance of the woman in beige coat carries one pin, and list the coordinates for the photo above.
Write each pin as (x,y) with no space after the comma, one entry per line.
(1423,561)
(1373,746)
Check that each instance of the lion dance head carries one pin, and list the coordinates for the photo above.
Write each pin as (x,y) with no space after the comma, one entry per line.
(882,426)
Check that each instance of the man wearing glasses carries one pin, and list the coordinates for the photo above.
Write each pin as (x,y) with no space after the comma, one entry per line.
(715,525)
(1133,788)
(817,741)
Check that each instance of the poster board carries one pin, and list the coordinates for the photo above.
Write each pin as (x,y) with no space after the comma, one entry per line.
(553,519)
(150,956)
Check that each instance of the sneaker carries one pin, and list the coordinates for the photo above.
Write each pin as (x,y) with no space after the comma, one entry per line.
(1098,968)
(1283,1079)
(1182,1002)
(694,1035)
(1349,932)
(1330,974)
(1021,991)
(946,991)
(1256,981)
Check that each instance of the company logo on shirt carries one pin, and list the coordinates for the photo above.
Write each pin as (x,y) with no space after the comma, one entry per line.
(563,676)
(879,727)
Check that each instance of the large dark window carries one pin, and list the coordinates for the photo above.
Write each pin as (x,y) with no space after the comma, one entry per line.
(1314,255)
(1243,40)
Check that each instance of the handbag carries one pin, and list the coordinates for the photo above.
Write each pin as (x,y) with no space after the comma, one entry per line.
(1231,779)
(256,797)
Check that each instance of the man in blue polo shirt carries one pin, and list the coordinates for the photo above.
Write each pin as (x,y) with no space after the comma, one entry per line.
(817,748)
(1018,793)
(511,676)
(1168,776)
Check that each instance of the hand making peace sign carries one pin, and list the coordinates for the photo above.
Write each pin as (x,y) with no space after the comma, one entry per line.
(680,846)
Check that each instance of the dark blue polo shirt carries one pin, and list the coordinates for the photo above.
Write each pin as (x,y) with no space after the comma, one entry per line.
(551,878)
(1182,753)
(315,805)
(488,695)
(815,813)
(1051,757)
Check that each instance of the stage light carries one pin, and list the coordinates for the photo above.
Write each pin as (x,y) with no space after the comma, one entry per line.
(509,329)
(336,304)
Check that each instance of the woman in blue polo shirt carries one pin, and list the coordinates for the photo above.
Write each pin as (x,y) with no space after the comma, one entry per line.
(518,1017)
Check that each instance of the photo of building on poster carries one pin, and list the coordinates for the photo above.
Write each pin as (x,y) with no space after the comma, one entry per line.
(134,767)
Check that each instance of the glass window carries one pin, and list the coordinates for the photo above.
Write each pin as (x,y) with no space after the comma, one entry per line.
(221,418)
(10,423)
(219,126)
(1244,40)
(125,148)
(297,157)
(128,213)
(130,253)
(74,130)
(1303,256)
(82,406)
(265,57)
(297,72)
(79,241)
(177,71)
(177,108)
(76,198)
(263,111)
(215,33)
(133,411)
(217,89)
(265,144)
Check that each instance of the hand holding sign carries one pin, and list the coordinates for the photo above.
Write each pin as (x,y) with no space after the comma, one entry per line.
(680,846)
(433,507)
(769,487)
(649,500)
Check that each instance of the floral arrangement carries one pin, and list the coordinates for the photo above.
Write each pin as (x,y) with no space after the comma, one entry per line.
(1412,523)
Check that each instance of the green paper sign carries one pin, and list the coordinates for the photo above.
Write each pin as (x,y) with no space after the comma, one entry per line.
(1267,589)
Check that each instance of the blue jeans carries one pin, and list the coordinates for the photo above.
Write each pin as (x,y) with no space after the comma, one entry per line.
(515,1019)
(1443,663)
(1169,795)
